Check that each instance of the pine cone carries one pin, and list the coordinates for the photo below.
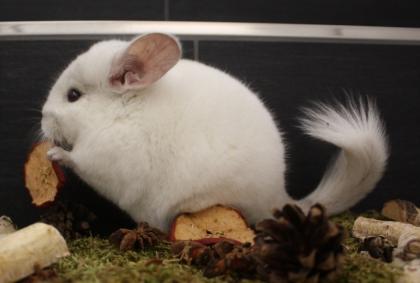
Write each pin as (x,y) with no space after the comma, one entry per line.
(72,220)
(141,237)
(298,248)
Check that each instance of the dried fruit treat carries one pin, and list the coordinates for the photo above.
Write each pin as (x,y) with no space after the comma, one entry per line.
(210,225)
(43,178)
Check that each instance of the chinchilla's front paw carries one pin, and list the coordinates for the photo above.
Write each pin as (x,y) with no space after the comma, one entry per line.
(61,156)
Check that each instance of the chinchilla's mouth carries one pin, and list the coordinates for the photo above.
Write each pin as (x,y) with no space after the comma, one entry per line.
(63,144)
(50,131)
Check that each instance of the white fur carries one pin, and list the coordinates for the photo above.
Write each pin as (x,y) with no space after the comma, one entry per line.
(195,138)
(358,130)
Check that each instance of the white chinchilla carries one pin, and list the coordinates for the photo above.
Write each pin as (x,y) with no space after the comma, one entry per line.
(159,136)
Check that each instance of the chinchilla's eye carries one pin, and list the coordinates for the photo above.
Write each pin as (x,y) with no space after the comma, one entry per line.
(73,95)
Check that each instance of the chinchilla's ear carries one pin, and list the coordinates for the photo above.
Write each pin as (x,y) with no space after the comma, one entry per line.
(145,60)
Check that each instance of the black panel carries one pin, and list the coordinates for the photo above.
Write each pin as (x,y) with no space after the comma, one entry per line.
(355,12)
(47,10)
(291,75)
(27,70)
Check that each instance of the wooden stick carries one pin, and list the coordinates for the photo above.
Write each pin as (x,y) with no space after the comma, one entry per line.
(365,227)
(38,244)
(403,211)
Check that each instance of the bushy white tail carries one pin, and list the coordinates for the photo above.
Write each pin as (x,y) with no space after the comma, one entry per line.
(358,130)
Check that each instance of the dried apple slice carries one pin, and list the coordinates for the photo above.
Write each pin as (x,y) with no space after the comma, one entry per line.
(211,225)
(43,178)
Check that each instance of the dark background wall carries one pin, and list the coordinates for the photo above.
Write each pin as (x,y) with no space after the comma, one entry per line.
(355,12)
(286,75)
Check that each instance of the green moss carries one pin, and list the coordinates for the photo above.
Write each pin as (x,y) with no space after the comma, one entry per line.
(95,260)
(360,268)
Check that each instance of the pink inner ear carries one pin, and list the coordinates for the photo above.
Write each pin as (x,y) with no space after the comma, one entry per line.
(145,61)
(125,71)
(131,78)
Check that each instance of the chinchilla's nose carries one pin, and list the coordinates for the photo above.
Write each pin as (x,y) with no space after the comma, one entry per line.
(47,112)
(47,121)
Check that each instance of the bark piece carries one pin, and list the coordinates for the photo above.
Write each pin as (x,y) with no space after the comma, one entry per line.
(38,245)
(402,211)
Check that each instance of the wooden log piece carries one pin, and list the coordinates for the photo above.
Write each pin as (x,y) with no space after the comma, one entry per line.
(402,211)
(365,227)
(36,245)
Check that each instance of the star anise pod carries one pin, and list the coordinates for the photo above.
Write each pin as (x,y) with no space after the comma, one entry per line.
(295,247)
(141,237)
